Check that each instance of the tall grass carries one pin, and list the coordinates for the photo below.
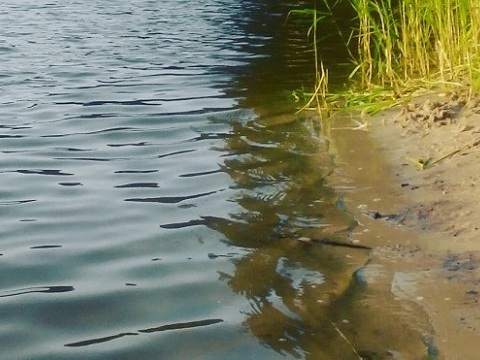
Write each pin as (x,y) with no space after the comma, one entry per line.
(405,40)
(407,45)
(320,93)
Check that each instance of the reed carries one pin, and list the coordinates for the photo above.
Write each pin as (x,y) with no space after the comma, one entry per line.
(433,40)
(320,94)
(407,46)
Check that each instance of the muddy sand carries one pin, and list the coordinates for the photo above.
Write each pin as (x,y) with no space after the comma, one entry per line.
(412,181)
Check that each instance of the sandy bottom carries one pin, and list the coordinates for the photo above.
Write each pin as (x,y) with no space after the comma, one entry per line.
(412,181)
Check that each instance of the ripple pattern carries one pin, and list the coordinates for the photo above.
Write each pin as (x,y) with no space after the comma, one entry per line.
(121,123)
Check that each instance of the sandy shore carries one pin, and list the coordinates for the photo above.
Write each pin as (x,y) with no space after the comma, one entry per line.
(433,148)
(411,180)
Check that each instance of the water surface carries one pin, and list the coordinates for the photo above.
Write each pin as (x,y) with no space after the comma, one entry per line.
(157,192)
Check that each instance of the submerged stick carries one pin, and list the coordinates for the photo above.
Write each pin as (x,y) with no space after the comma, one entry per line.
(345,338)
(337,243)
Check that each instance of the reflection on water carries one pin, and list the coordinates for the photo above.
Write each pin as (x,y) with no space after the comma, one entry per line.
(302,274)
(159,198)
(292,279)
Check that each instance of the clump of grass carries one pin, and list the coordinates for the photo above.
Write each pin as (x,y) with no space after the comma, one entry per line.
(433,40)
(404,47)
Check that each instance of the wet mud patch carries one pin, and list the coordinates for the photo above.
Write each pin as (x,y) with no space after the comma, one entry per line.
(456,263)
(443,216)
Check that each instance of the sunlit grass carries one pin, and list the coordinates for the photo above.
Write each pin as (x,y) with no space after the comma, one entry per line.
(403,48)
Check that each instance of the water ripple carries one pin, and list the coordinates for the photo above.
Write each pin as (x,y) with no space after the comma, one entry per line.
(36,289)
(127,130)
(44,172)
(169,327)
(171,199)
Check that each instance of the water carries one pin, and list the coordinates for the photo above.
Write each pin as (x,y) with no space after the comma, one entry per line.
(156,186)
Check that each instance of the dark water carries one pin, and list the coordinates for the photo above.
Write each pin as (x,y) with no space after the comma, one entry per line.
(155,183)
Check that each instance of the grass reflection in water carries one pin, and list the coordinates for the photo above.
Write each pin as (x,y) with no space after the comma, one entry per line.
(301,285)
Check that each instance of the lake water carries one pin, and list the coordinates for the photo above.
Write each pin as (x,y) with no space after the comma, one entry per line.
(156,186)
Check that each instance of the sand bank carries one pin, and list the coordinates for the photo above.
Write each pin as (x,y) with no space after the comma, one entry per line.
(419,208)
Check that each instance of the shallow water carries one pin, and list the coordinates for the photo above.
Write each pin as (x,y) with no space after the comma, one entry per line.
(155,185)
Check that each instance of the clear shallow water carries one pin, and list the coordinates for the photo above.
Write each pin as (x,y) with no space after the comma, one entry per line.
(154,185)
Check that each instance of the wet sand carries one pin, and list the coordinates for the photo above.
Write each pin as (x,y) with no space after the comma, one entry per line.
(410,178)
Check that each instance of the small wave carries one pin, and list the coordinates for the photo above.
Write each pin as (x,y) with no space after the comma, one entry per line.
(11,136)
(70,184)
(168,327)
(135,171)
(176,153)
(39,289)
(202,173)
(44,172)
(170,199)
(111,102)
(138,185)
(180,225)
(16,202)
(45,247)
(142,143)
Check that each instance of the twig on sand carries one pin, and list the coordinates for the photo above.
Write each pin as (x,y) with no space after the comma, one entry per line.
(429,162)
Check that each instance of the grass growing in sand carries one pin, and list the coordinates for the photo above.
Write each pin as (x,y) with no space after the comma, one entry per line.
(401,48)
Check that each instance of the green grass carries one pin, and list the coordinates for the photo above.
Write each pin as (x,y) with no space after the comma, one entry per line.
(402,48)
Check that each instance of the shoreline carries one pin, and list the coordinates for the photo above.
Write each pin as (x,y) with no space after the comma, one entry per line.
(442,133)
(418,165)
(445,191)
